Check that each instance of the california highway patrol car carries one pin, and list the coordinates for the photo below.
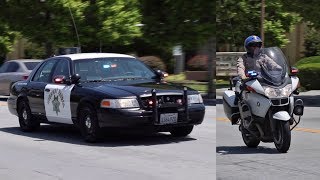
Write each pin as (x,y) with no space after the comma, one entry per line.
(97,90)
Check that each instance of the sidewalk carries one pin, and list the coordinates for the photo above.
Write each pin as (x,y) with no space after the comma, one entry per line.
(309,98)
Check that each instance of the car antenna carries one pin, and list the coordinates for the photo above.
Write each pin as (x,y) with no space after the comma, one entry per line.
(75,26)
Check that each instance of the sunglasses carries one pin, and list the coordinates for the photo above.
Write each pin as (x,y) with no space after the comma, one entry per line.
(255,45)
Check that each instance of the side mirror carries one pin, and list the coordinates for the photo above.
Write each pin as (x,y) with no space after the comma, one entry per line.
(161,74)
(75,78)
(294,71)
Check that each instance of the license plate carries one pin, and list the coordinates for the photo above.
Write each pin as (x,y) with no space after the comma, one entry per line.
(169,118)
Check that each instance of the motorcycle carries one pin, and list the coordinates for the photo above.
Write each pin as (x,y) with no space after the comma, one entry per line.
(263,105)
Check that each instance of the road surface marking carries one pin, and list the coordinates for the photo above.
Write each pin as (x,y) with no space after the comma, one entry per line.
(223,119)
(295,129)
(308,130)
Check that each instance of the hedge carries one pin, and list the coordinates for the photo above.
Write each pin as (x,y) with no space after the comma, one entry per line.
(198,63)
(309,72)
(154,62)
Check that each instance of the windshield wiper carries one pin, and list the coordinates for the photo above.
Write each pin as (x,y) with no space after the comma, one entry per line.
(96,80)
(128,78)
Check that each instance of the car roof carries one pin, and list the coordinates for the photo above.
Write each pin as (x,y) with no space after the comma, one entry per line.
(94,55)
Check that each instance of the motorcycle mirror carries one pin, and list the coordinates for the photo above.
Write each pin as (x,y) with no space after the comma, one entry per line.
(294,71)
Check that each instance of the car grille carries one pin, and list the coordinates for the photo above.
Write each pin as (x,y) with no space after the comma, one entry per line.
(280,102)
(164,101)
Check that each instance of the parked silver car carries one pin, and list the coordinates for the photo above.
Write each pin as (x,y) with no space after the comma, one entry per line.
(15,70)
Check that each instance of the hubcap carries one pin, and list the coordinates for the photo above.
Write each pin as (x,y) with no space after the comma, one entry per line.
(25,116)
(88,122)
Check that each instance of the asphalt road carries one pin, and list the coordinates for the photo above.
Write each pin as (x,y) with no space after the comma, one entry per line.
(58,152)
(236,161)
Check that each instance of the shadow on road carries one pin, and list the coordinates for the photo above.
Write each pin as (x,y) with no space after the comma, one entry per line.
(225,150)
(70,134)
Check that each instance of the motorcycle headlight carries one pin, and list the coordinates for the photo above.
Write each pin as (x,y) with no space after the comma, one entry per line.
(195,99)
(119,103)
(281,92)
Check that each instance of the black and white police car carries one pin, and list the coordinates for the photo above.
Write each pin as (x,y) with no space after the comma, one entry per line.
(97,90)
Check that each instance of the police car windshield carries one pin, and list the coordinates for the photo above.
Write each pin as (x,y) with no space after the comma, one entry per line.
(112,69)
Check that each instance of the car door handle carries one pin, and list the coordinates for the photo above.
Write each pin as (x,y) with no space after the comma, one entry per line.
(47,90)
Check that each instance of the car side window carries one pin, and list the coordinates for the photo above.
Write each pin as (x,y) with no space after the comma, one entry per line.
(44,73)
(13,67)
(4,67)
(62,69)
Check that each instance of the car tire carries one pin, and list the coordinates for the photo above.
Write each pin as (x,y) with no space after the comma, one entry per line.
(181,131)
(88,122)
(26,120)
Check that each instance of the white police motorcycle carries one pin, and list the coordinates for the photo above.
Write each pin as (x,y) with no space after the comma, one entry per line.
(263,105)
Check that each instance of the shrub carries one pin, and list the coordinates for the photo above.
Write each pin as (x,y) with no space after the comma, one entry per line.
(309,72)
(154,62)
(312,42)
(198,63)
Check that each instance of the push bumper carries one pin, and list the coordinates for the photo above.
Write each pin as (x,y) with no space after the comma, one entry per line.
(137,118)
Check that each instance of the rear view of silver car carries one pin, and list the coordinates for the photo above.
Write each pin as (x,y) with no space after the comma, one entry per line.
(15,70)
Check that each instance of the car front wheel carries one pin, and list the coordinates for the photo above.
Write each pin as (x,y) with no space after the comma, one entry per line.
(26,120)
(89,126)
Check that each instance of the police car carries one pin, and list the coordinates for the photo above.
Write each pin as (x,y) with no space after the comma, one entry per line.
(98,90)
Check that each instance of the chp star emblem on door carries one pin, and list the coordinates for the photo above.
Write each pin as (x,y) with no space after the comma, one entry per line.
(56,104)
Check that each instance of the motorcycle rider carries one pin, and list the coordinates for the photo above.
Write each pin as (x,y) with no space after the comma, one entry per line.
(253,59)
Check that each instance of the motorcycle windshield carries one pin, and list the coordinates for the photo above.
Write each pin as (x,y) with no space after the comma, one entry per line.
(273,65)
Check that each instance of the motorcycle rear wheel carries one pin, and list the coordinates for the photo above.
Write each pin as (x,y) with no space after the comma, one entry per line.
(250,140)
(282,136)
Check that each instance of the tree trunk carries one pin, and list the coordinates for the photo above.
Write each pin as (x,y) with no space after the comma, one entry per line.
(211,50)
(49,49)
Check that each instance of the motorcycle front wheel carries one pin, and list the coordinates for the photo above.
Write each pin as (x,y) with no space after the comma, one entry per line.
(282,136)
(250,140)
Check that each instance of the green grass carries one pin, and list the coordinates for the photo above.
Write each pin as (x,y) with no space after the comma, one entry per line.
(178,77)
(181,79)
(308,60)
(199,86)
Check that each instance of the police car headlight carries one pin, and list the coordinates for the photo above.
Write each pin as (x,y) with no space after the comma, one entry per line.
(282,92)
(195,99)
(119,103)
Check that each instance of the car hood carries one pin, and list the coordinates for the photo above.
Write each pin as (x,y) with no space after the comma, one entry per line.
(137,87)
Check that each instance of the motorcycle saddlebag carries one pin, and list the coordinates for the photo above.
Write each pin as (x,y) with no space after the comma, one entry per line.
(230,109)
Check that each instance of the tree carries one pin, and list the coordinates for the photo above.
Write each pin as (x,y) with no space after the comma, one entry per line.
(42,22)
(109,23)
(6,40)
(171,22)
(50,22)
(239,19)
(310,12)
